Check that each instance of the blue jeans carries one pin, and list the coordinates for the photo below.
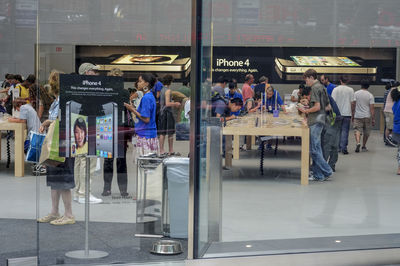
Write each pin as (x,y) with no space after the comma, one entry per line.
(320,167)
(344,133)
(330,142)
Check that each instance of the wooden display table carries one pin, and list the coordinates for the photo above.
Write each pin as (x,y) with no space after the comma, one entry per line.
(284,125)
(19,138)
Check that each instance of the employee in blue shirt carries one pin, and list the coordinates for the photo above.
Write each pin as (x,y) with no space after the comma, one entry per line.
(271,98)
(327,83)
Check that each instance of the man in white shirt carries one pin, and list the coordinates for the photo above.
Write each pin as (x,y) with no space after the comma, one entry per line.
(344,96)
(363,114)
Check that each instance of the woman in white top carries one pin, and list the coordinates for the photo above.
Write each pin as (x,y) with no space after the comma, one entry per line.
(295,94)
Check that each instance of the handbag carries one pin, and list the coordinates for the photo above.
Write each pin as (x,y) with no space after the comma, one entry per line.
(35,147)
(50,149)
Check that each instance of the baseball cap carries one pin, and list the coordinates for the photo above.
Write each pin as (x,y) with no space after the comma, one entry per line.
(87,67)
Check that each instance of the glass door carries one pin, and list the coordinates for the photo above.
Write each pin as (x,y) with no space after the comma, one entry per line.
(269,178)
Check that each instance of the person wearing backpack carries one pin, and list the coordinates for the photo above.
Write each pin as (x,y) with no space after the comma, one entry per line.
(316,116)
(331,136)
(225,109)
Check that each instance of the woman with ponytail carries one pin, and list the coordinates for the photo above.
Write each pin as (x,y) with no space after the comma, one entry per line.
(145,125)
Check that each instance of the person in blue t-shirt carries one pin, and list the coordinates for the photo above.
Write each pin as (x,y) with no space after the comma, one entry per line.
(156,90)
(233,94)
(395,93)
(271,98)
(327,83)
(145,125)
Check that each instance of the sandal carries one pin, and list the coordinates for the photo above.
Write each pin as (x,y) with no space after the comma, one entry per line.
(48,218)
(163,155)
(63,221)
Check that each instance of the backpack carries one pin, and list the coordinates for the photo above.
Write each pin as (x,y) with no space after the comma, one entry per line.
(335,108)
(215,96)
(333,113)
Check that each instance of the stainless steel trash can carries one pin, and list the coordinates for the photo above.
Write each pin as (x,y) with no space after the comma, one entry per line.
(176,180)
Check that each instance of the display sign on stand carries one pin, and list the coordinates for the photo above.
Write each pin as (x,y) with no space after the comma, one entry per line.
(92,111)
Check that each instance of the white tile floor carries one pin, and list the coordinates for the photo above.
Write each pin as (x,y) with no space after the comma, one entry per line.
(22,194)
(361,197)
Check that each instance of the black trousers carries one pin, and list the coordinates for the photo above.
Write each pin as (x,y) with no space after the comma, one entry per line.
(122,175)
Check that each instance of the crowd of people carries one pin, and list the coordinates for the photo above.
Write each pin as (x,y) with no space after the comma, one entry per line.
(251,97)
(329,111)
(152,108)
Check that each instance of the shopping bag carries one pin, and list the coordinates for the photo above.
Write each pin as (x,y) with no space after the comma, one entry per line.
(35,147)
(49,155)
(183,118)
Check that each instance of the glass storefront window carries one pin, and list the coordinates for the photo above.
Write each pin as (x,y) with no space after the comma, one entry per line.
(255,183)
(248,139)
(105,57)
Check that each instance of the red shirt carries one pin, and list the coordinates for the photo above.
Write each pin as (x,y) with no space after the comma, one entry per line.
(247,92)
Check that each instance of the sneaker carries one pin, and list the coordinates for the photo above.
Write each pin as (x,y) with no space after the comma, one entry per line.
(390,142)
(358,147)
(92,200)
(345,152)
(313,178)
(63,221)
(48,218)
(364,149)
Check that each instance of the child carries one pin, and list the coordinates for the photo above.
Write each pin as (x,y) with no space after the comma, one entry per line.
(28,115)
(305,97)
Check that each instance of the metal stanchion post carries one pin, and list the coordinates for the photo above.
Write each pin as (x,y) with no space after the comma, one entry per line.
(86,253)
